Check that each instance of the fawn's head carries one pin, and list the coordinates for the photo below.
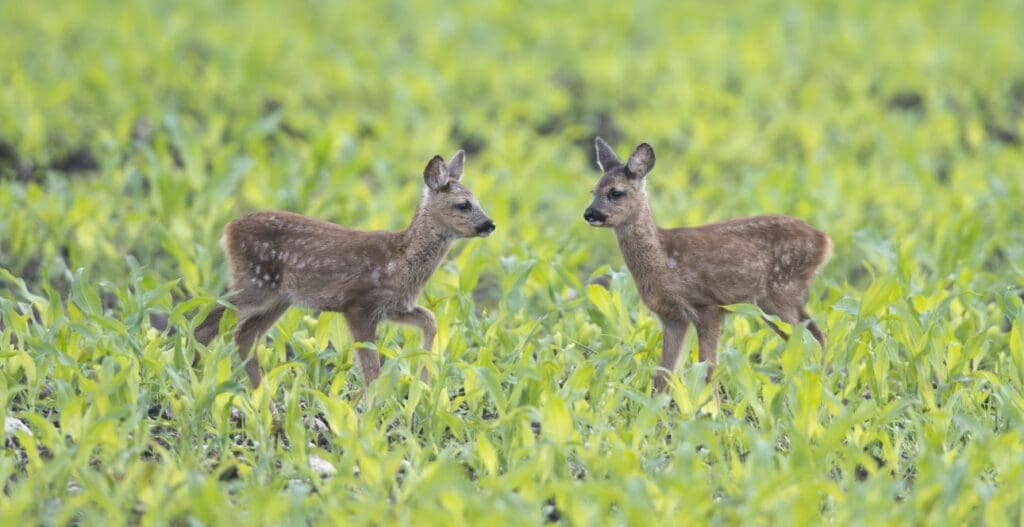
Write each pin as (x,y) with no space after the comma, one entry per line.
(449,205)
(619,195)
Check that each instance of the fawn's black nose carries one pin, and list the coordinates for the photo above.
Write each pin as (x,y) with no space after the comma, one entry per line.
(593,216)
(485,228)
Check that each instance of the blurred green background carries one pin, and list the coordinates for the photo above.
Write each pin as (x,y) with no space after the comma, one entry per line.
(131,132)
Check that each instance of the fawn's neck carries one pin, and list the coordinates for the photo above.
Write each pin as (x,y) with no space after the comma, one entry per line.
(640,243)
(423,248)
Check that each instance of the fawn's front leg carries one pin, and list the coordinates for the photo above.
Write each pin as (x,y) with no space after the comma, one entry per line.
(709,328)
(673,333)
(422,318)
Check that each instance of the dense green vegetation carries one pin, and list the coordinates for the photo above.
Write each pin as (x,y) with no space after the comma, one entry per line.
(131,132)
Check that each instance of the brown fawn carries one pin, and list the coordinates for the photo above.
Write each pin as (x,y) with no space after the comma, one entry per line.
(686,275)
(280,259)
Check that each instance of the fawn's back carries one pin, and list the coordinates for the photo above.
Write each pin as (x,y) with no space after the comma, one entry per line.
(287,257)
(743,260)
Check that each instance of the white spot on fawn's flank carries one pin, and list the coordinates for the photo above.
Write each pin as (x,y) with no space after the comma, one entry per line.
(391,267)
(672,263)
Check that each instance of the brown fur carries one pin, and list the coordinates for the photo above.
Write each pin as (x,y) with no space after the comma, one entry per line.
(685,275)
(281,259)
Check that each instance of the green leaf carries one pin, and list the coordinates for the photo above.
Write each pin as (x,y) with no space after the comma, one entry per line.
(488,455)
(556,422)
(882,292)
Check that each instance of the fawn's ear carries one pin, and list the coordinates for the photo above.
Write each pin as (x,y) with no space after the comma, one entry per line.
(455,165)
(606,158)
(641,162)
(436,174)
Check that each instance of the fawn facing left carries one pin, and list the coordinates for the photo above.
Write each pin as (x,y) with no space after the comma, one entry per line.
(281,259)
(685,275)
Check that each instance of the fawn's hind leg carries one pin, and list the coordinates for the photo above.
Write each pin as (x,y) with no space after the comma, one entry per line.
(252,324)
(812,327)
(210,327)
(786,310)
(774,327)
(207,331)
(788,305)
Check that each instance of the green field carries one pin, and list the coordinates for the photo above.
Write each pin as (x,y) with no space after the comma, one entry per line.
(132,132)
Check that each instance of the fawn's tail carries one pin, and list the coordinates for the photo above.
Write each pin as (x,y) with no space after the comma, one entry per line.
(825,249)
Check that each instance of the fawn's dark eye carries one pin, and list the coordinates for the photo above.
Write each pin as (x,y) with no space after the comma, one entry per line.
(615,193)
(464,206)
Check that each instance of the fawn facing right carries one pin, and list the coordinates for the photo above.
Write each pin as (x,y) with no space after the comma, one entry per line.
(279,259)
(686,275)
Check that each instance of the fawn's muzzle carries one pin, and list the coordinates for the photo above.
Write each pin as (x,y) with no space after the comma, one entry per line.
(485,228)
(594,217)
